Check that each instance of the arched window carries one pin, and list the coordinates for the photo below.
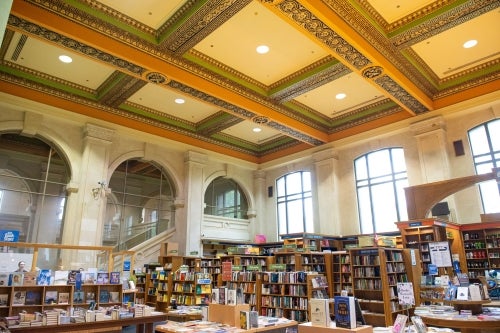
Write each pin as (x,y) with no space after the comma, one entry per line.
(33,180)
(294,203)
(380,181)
(140,205)
(224,197)
(485,145)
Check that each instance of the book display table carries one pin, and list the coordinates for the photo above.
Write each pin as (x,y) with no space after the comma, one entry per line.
(282,326)
(475,306)
(309,328)
(470,324)
(143,325)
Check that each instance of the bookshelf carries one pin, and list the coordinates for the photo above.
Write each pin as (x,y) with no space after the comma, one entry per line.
(284,294)
(247,281)
(481,247)
(376,272)
(140,286)
(341,277)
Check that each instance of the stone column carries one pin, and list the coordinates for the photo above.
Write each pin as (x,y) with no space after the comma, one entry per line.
(194,163)
(327,221)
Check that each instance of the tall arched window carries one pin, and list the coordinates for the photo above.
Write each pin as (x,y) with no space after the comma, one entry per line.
(485,145)
(33,180)
(224,197)
(380,181)
(294,203)
(140,205)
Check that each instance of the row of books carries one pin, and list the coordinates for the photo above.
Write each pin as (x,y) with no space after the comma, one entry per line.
(34,297)
(46,277)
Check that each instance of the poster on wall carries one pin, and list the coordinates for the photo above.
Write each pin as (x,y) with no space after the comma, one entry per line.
(440,254)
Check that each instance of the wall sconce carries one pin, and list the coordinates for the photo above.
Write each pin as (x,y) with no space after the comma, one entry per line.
(100,191)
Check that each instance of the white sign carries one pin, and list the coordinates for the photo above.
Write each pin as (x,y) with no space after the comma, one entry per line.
(440,254)
(405,293)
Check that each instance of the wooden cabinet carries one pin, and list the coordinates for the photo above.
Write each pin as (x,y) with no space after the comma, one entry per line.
(140,287)
(376,272)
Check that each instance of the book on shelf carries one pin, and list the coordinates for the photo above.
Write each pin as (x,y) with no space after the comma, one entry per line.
(63,298)
(89,277)
(114,297)
(320,312)
(44,277)
(345,311)
(4,279)
(72,276)
(104,296)
(4,299)
(78,297)
(19,297)
(319,282)
(29,278)
(89,297)
(245,320)
(33,297)
(462,293)
(215,295)
(114,278)
(78,280)
(222,295)
(102,277)
(399,323)
(231,297)
(418,324)
(61,277)
(16,279)
(475,291)
(50,297)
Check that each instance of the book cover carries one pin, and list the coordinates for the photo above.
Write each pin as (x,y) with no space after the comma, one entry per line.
(78,297)
(215,295)
(462,293)
(33,297)
(16,279)
(102,278)
(114,297)
(104,296)
(29,278)
(114,278)
(4,279)
(63,298)
(245,320)
(89,277)
(4,299)
(345,312)
(72,276)
(222,295)
(19,297)
(44,277)
(50,297)
(320,312)
(231,297)
(418,324)
(475,292)
(78,281)
(61,277)
(89,297)
(399,323)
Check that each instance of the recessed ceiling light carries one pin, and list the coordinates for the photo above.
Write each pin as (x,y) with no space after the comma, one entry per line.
(66,59)
(340,96)
(180,101)
(470,43)
(257,129)
(262,49)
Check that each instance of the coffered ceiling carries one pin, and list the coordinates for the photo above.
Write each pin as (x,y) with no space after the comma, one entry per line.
(132,59)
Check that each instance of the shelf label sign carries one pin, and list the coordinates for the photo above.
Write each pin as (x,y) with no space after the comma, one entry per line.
(405,293)
(237,268)
(278,267)
(415,224)
(254,268)
(9,236)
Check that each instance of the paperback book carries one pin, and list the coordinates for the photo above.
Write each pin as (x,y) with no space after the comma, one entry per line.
(33,297)
(399,323)
(44,277)
(16,279)
(89,297)
(4,279)
(78,297)
(104,296)
(320,312)
(29,278)
(345,312)
(114,297)
(114,278)
(61,277)
(19,297)
(50,297)
(63,298)
(72,276)
(102,278)
(4,299)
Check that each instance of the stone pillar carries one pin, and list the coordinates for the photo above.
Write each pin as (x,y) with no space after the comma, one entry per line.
(327,221)
(194,163)
(257,224)
(85,227)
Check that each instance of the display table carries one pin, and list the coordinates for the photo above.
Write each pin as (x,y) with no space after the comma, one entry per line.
(469,324)
(170,327)
(475,306)
(182,316)
(309,328)
(143,325)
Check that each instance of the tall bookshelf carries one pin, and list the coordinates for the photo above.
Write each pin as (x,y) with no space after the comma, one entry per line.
(341,277)
(284,294)
(376,272)
(247,281)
